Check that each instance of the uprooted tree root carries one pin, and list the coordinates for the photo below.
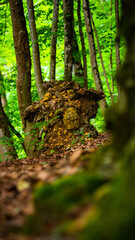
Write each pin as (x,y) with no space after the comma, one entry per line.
(61,118)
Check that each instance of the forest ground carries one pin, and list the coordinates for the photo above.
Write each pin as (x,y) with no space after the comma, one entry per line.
(18,179)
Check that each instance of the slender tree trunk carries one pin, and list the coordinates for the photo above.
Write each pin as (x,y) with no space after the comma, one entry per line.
(4,100)
(83,46)
(2,92)
(5,117)
(111,68)
(7,149)
(14,131)
(111,59)
(117,39)
(101,58)
(68,38)
(77,68)
(77,64)
(54,39)
(22,52)
(92,51)
(35,47)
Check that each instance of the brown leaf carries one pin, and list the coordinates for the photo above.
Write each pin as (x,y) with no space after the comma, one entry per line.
(22,185)
(75,156)
(43,175)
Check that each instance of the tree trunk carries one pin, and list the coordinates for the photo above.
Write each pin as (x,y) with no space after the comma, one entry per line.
(77,64)
(123,118)
(22,52)
(92,52)
(101,58)
(83,46)
(7,149)
(35,48)
(68,38)
(5,117)
(111,58)
(54,39)
(2,92)
(117,39)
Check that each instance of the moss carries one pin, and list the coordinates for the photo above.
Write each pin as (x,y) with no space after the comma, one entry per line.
(71,119)
(116,218)
(57,203)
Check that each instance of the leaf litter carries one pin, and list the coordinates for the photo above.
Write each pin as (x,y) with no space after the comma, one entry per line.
(18,179)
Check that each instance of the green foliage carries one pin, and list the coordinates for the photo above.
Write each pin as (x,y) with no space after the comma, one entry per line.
(99,122)
(34,142)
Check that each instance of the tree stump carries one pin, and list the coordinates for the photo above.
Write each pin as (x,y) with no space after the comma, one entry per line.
(55,122)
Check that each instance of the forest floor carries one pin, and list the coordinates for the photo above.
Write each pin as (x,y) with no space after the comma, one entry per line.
(18,179)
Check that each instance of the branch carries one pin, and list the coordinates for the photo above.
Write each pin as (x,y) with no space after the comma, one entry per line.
(101,58)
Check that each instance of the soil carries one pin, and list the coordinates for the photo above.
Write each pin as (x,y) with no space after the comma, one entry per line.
(18,179)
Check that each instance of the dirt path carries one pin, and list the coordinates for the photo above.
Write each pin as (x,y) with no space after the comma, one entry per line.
(19,178)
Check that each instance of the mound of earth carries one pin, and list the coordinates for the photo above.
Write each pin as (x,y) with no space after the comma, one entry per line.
(61,118)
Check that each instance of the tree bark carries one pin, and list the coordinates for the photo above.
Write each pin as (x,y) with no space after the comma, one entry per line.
(68,38)
(101,58)
(21,44)
(54,39)
(7,149)
(83,46)
(92,52)
(123,116)
(2,92)
(77,64)
(5,117)
(111,58)
(35,48)
(117,39)
(14,131)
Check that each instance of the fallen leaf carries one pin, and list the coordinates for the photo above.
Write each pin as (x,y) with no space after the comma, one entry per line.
(22,185)
(75,156)
(42,175)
